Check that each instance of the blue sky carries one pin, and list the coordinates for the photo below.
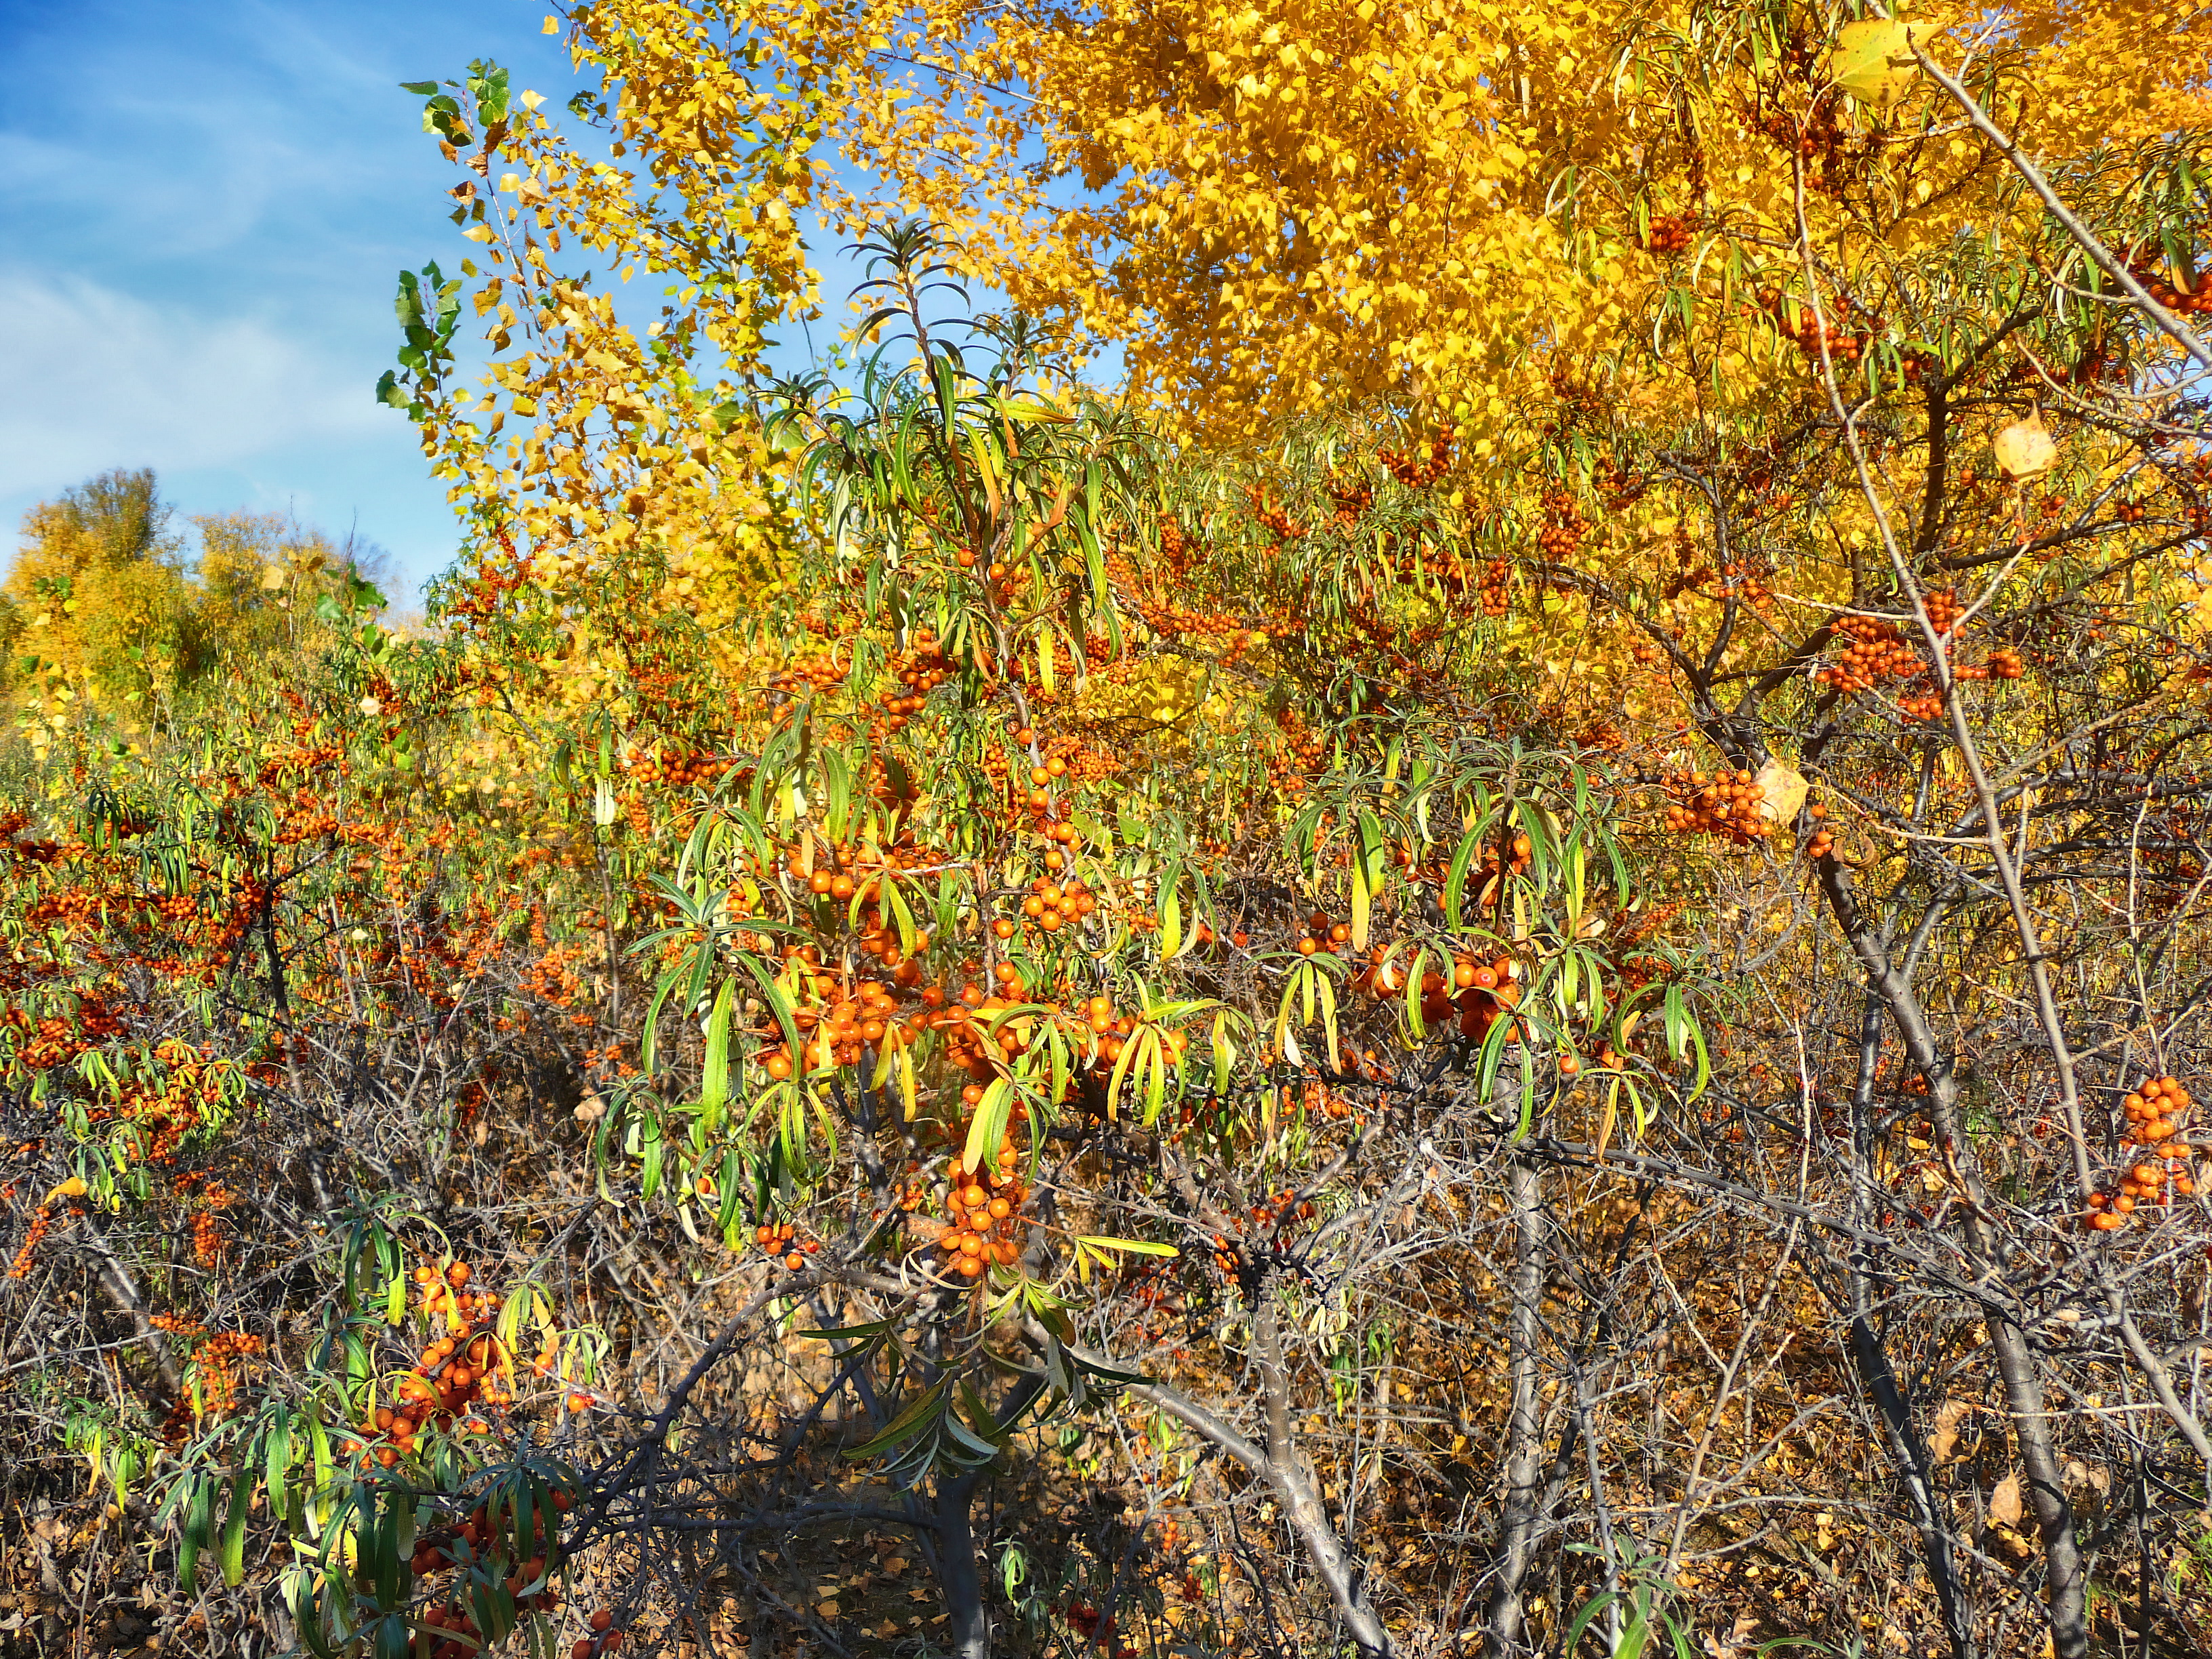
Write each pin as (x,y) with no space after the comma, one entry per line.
(203,207)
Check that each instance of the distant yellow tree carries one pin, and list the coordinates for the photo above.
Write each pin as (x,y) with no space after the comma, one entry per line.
(260,576)
(105,603)
(104,608)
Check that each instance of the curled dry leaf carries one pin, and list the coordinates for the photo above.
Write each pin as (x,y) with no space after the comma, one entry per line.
(2004,1503)
(1782,792)
(2087,1478)
(1945,1439)
(2025,449)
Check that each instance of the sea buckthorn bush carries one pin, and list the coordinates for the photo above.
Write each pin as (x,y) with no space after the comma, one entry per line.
(1503,960)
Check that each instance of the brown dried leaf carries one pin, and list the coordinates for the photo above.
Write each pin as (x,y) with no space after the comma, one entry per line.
(1946,1437)
(2004,1503)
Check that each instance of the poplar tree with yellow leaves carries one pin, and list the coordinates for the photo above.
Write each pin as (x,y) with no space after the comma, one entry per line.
(1450,905)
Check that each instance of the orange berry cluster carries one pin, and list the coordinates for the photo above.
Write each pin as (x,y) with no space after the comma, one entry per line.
(481,1541)
(1382,977)
(780,1239)
(922,669)
(1316,1098)
(1050,905)
(1725,805)
(1491,590)
(1322,934)
(1041,778)
(807,674)
(604,1637)
(1277,1207)
(1921,706)
(1803,330)
(449,1378)
(1668,234)
(1877,652)
(1307,748)
(1820,843)
(2153,1109)
(42,1223)
(841,1027)
(1275,522)
(2182,301)
(1564,525)
(676,768)
(1748,585)
(1477,993)
(1097,1630)
(1352,499)
(218,1361)
(1418,469)
(211,1244)
(982,1209)
(1113,1030)
(2004,664)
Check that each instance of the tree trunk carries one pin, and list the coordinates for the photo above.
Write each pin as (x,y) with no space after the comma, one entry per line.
(1524,1454)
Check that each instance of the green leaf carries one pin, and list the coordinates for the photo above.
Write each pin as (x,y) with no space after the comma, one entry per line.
(778,1003)
(199,1516)
(1455,878)
(714,1080)
(1584,1616)
(233,1529)
(919,1411)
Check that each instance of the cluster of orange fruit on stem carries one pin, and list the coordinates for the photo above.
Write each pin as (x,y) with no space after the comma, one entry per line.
(1821,841)
(1726,805)
(983,1208)
(1497,576)
(922,671)
(1806,333)
(450,1377)
(2157,280)
(1877,652)
(2153,1109)
(680,770)
(1323,934)
(1274,1209)
(603,1638)
(1050,905)
(1481,992)
(841,1028)
(780,1239)
(1415,468)
(482,1541)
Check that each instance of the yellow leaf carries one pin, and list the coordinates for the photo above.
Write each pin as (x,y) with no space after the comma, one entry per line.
(2025,449)
(1874,59)
(1783,792)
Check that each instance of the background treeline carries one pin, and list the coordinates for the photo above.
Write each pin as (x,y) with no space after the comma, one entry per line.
(107,597)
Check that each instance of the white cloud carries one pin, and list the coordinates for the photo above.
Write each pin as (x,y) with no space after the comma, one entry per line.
(98,378)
